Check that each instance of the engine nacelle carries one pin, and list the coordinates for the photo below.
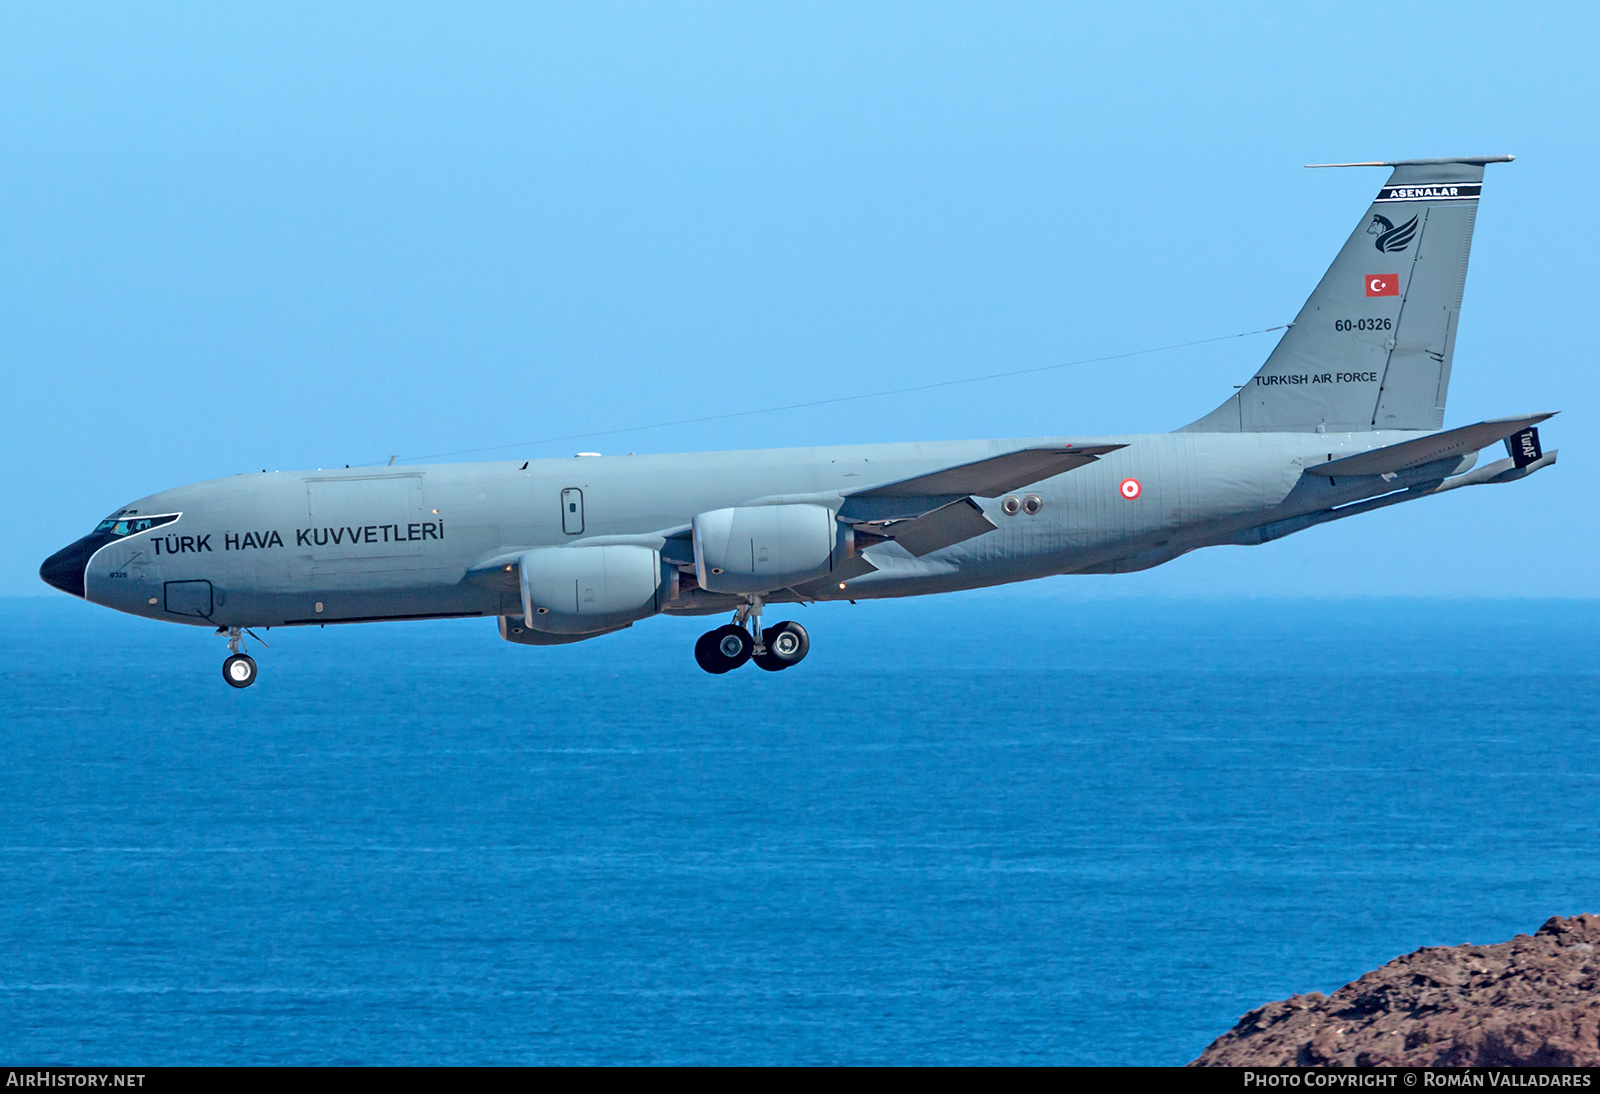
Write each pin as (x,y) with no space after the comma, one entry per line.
(758,548)
(513,630)
(583,590)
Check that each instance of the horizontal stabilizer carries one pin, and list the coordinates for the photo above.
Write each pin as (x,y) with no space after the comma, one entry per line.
(948,524)
(1500,471)
(1435,446)
(1477,161)
(994,476)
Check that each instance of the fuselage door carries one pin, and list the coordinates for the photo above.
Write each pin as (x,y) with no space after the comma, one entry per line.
(189,598)
(572,511)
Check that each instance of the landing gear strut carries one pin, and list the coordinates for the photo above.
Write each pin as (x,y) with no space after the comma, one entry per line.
(775,648)
(239,670)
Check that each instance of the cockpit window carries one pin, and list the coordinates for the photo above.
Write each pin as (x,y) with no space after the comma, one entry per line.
(127,526)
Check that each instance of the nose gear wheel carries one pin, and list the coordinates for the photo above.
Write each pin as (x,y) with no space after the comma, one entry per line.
(239,670)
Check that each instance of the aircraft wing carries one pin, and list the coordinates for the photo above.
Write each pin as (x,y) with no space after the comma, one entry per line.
(1435,446)
(994,476)
(935,510)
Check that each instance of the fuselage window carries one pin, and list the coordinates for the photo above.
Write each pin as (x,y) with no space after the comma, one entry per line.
(127,526)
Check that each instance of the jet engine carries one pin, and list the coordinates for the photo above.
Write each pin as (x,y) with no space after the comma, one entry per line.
(758,548)
(585,590)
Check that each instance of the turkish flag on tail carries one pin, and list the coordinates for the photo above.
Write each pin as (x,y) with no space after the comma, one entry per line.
(1383,284)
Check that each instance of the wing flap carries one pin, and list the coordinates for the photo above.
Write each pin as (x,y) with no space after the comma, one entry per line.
(1435,446)
(994,476)
(951,523)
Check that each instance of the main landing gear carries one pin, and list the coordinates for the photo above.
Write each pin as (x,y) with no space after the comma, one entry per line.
(775,648)
(239,670)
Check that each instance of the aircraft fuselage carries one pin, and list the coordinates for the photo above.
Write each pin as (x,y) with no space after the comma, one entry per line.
(412,541)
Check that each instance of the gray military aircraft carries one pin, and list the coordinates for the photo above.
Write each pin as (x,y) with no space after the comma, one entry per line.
(1345,417)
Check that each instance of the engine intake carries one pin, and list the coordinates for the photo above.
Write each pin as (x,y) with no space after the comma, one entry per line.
(582,590)
(759,548)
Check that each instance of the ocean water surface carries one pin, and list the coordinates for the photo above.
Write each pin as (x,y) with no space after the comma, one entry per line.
(1010,827)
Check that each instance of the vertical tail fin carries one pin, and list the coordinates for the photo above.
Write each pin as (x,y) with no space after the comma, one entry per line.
(1371,348)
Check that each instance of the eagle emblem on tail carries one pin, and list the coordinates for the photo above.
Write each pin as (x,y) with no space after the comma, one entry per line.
(1390,238)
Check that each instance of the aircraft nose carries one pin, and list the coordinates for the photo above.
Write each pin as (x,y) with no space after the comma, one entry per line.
(64,569)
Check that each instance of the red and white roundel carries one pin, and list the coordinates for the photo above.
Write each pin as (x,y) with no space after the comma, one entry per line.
(1130,488)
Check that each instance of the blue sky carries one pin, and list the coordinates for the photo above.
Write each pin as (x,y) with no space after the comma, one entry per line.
(283,237)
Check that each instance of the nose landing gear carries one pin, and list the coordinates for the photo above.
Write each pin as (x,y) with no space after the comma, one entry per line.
(774,649)
(239,670)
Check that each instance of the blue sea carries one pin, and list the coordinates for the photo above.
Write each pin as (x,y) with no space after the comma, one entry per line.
(1008,827)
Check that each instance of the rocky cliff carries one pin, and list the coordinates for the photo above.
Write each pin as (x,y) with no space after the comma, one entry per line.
(1534,1000)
